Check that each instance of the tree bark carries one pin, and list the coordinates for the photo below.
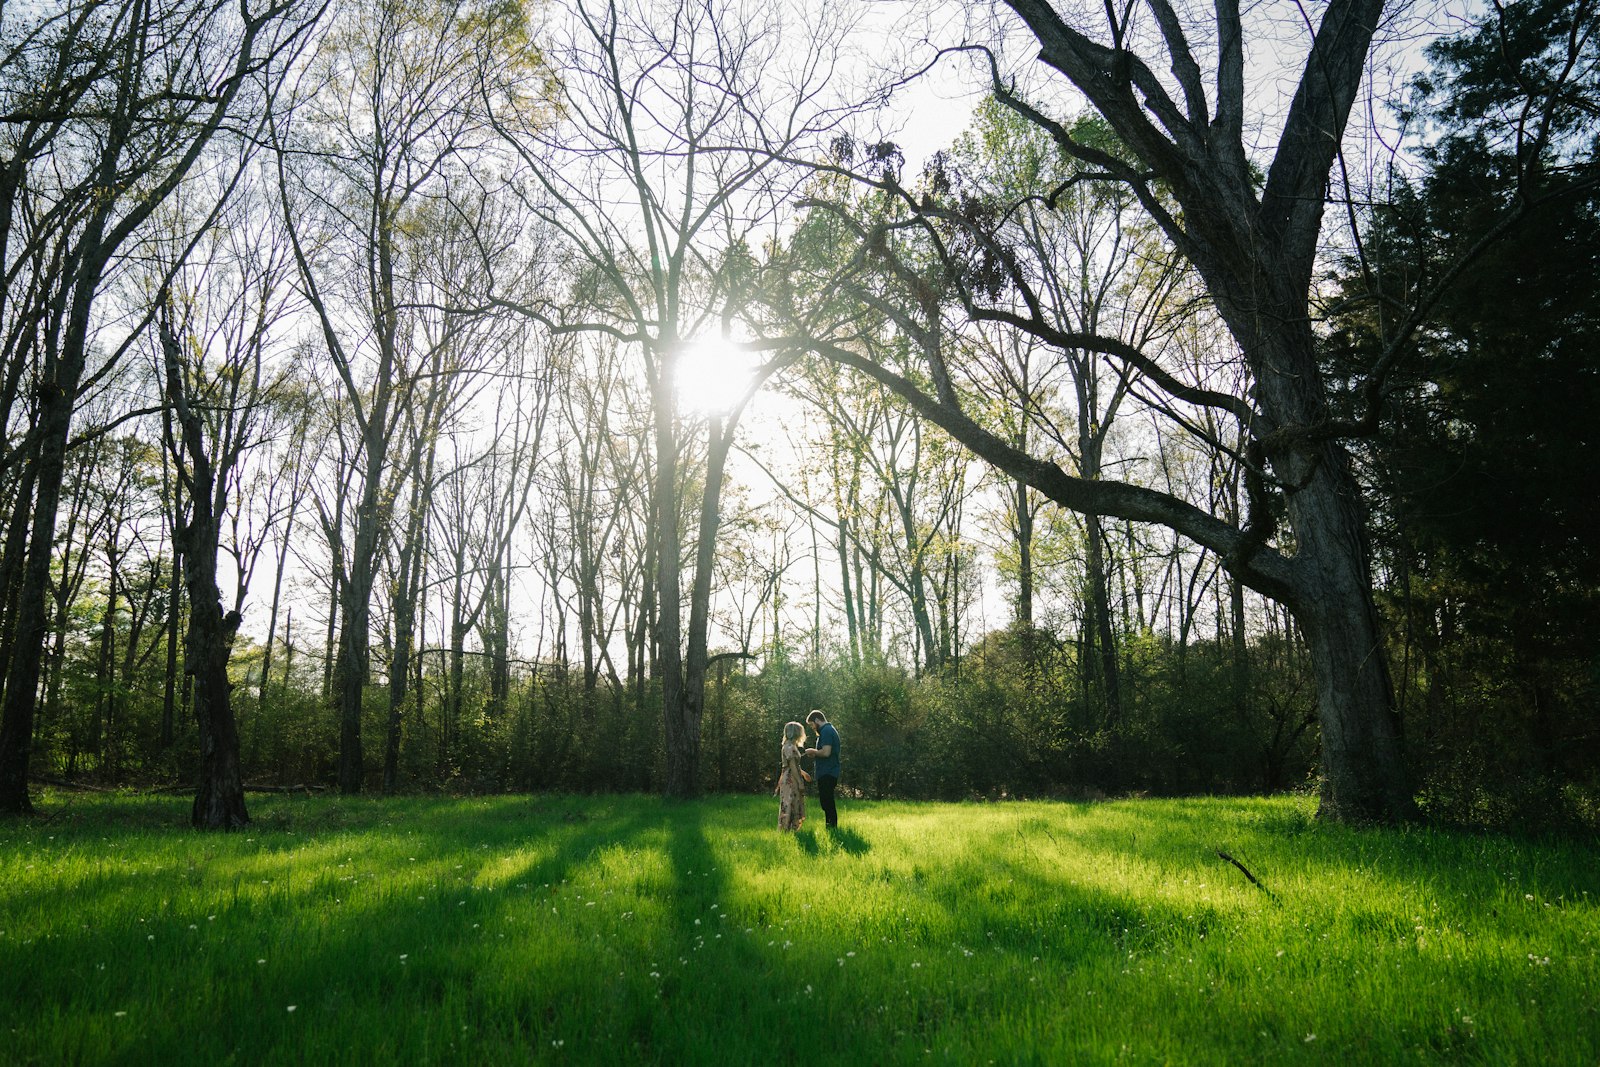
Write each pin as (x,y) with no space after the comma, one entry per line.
(682,738)
(219,802)
(1255,247)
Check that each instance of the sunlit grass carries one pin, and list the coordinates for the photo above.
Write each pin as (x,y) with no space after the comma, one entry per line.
(628,930)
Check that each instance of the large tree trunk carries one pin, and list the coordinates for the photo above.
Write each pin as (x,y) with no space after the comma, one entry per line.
(1363,767)
(406,595)
(1255,245)
(169,689)
(350,670)
(1099,628)
(1022,512)
(682,736)
(57,392)
(22,672)
(355,610)
(404,608)
(219,803)
(11,562)
(694,683)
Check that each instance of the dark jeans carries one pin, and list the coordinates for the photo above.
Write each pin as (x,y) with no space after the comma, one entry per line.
(826,784)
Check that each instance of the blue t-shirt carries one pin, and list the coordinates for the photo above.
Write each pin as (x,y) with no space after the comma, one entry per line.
(828,736)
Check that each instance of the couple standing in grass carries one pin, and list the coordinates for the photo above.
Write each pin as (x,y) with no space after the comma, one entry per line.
(792,778)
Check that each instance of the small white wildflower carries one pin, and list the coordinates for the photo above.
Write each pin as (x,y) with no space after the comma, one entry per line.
(291,1007)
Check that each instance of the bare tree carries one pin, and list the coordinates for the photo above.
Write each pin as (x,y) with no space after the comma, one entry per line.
(664,164)
(372,172)
(140,89)
(221,330)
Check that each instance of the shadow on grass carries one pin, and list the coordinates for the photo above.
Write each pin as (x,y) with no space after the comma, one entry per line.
(418,968)
(849,841)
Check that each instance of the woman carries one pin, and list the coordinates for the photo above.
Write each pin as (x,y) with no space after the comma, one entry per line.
(791,793)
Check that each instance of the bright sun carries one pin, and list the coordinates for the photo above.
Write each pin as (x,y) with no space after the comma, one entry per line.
(712,374)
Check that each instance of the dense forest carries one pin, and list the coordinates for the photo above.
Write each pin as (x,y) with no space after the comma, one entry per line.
(407,395)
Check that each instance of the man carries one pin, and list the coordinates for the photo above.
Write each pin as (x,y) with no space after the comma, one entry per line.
(827,766)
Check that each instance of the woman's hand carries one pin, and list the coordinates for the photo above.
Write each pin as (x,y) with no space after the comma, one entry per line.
(807,777)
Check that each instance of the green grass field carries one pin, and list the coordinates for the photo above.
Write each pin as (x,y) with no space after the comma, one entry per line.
(633,930)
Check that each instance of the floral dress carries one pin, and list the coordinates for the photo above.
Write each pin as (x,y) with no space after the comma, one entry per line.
(791,790)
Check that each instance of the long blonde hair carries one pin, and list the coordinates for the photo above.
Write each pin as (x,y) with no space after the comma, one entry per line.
(795,733)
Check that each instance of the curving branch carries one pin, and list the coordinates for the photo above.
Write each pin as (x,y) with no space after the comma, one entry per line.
(1261,568)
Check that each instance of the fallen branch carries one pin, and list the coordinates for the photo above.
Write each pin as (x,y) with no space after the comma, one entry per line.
(64,783)
(1246,872)
(170,790)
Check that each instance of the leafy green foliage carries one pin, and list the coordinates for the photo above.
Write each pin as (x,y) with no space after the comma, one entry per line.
(1486,536)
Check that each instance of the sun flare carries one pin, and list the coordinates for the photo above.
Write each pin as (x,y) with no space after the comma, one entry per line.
(711,375)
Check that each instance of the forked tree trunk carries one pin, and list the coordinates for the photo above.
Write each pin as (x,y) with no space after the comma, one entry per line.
(1255,245)
(219,802)
(1364,776)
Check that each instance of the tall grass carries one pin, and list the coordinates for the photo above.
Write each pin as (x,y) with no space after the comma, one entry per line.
(632,930)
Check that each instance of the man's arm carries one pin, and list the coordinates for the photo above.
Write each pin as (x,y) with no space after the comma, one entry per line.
(824,752)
